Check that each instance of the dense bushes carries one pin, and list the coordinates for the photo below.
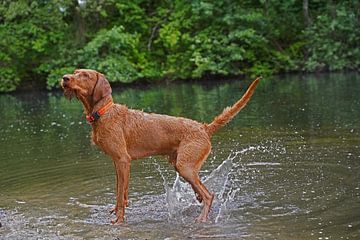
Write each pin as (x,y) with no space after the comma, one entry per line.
(154,40)
(334,39)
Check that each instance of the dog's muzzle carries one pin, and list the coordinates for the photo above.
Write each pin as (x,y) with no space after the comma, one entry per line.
(65,81)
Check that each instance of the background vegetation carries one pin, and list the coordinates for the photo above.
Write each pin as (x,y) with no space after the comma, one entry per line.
(174,39)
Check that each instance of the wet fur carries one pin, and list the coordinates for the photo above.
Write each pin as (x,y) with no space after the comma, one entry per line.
(126,134)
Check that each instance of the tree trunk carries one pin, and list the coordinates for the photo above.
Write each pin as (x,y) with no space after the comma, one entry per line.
(80,25)
(308,20)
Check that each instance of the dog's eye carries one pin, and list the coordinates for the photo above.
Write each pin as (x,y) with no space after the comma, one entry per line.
(84,74)
(81,74)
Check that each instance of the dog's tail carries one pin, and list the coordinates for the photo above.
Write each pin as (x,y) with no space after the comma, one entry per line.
(230,112)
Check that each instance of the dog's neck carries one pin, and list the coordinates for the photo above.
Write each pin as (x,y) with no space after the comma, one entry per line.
(90,107)
(101,103)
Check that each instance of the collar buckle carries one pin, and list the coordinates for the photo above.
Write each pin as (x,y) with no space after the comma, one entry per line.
(96,115)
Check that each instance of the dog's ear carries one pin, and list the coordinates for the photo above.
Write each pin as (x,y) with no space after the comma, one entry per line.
(102,88)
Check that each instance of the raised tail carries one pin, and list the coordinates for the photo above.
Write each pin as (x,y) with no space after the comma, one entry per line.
(230,112)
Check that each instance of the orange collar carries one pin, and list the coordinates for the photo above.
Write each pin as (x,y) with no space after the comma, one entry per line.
(96,115)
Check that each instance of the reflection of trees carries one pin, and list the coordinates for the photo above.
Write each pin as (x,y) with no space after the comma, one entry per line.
(39,133)
(291,100)
(194,101)
(40,130)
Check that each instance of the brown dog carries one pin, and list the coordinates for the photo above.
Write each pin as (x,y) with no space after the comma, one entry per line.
(127,134)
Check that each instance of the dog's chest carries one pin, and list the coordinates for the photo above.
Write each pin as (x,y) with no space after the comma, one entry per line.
(94,138)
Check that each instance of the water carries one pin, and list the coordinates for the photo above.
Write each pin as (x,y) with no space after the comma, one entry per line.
(287,167)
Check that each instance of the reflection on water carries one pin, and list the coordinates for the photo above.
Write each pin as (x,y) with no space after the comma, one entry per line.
(286,168)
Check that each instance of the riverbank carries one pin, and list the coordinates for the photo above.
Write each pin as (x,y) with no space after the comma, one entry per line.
(40,86)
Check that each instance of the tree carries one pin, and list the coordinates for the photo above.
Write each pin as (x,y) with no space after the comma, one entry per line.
(30,33)
(177,39)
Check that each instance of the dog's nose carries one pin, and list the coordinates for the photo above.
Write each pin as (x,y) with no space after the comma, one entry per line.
(65,78)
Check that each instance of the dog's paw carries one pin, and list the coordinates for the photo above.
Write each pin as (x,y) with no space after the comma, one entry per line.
(118,221)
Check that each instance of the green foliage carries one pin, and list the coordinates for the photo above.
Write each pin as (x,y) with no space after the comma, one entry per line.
(9,80)
(54,77)
(334,39)
(115,53)
(29,31)
(155,40)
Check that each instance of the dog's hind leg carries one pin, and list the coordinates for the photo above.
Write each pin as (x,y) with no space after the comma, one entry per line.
(172,161)
(189,161)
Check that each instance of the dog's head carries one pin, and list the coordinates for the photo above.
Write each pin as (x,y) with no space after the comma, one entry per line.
(85,84)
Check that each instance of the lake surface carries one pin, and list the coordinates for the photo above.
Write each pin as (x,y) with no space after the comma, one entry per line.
(287,167)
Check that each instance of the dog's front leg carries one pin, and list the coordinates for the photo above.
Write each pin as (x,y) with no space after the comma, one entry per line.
(115,209)
(122,168)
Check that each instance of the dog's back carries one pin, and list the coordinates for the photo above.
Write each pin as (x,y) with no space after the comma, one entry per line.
(157,134)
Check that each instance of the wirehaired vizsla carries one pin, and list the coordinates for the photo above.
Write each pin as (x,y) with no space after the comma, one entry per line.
(127,134)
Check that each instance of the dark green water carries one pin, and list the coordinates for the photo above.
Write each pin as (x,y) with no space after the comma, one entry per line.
(287,167)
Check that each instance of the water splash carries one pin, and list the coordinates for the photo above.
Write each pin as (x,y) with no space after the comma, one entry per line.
(174,195)
(219,182)
(180,198)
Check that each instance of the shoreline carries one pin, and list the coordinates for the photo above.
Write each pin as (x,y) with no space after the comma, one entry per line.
(32,86)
